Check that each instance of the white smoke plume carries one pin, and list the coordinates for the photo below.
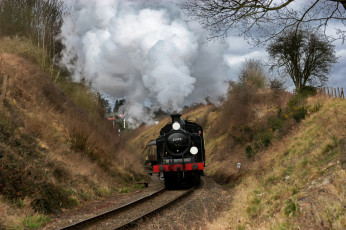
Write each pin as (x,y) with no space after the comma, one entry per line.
(145,52)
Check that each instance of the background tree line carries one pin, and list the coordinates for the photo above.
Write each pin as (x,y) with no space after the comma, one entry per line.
(305,58)
(38,20)
(263,20)
(295,36)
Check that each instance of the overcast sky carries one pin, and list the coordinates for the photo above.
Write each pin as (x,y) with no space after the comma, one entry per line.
(240,50)
(145,52)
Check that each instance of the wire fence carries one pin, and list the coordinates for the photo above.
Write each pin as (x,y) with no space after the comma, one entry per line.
(333,92)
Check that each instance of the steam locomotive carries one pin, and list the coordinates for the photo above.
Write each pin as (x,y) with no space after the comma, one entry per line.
(180,153)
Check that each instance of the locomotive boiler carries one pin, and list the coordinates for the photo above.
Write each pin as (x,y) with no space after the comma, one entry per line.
(180,153)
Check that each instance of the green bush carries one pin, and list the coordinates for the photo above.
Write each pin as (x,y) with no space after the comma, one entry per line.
(299,114)
(298,100)
(297,108)
(36,221)
(249,151)
(276,123)
(295,191)
(51,198)
(291,207)
(308,91)
(263,137)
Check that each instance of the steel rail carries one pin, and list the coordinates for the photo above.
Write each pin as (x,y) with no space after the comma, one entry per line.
(152,212)
(82,224)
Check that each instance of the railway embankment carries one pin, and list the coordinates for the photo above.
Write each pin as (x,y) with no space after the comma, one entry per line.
(281,156)
(278,159)
(298,181)
(57,152)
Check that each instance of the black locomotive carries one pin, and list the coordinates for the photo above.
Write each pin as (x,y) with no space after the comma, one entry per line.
(180,153)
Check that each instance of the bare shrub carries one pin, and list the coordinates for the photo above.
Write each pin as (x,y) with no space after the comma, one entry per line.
(56,148)
(237,110)
(55,97)
(23,170)
(252,74)
(276,84)
(35,124)
(100,142)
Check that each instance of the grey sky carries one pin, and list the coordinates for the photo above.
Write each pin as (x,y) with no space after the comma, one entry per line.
(240,50)
(148,54)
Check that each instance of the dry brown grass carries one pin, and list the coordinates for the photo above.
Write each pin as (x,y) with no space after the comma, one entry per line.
(236,124)
(295,183)
(23,47)
(247,105)
(264,197)
(298,182)
(52,146)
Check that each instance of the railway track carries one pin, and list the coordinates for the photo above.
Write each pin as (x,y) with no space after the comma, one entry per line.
(127,215)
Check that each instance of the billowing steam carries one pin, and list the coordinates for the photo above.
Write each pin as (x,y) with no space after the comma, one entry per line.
(145,52)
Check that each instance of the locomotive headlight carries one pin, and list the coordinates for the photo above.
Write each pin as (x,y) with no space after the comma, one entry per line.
(176,126)
(194,150)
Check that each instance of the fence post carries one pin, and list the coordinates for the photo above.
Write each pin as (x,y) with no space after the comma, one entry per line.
(342,95)
(335,93)
(338,93)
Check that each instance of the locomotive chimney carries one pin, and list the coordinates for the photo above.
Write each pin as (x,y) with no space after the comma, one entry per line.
(176,117)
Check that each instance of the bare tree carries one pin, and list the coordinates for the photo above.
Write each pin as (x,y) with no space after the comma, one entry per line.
(305,56)
(38,20)
(264,19)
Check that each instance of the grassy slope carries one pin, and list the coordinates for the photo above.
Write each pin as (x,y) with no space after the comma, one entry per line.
(57,150)
(54,145)
(298,183)
(295,183)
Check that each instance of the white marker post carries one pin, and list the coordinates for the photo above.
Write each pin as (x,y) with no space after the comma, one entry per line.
(124,120)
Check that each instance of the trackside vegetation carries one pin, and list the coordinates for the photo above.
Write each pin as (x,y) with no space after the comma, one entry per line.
(290,149)
(297,182)
(57,151)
